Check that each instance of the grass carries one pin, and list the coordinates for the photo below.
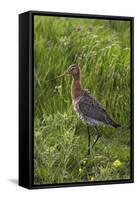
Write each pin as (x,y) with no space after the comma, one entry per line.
(102,50)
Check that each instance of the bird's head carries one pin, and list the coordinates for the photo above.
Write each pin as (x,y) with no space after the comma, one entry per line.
(73,70)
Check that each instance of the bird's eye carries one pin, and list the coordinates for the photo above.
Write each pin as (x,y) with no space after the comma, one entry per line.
(72,68)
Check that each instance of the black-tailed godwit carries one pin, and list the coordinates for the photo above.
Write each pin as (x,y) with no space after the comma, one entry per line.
(86,106)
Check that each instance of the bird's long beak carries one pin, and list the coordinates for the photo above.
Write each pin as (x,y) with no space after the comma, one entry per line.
(60,76)
(65,72)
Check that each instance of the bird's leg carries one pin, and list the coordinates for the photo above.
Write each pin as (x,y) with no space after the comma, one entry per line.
(76,128)
(88,139)
(98,136)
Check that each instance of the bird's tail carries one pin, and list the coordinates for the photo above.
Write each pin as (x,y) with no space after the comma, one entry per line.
(114,124)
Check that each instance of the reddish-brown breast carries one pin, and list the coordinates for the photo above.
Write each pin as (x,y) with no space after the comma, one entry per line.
(75,88)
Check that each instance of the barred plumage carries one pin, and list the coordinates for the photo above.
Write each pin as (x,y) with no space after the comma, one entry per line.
(91,112)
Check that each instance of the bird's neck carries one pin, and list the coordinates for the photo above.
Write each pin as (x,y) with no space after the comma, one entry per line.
(75,87)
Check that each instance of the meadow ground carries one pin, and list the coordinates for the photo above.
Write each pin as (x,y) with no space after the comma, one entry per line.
(102,50)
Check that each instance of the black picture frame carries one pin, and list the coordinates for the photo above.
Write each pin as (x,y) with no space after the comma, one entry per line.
(26,98)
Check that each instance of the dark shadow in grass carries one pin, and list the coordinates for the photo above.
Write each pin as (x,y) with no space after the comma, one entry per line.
(14,181)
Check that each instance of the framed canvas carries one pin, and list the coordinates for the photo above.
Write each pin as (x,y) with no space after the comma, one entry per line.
(76,106)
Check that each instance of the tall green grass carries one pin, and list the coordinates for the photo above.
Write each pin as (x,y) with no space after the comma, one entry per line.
(102,50)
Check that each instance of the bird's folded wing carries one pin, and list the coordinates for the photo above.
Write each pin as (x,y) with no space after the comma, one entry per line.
(91,108)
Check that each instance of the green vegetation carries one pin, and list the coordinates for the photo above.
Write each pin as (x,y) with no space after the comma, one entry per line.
(102,50)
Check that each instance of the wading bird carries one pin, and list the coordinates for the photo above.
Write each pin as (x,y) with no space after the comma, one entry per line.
(86,106)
